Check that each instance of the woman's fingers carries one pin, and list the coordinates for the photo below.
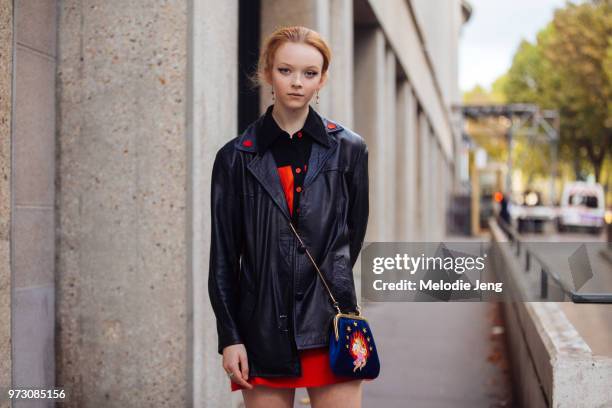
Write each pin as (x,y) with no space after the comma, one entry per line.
(244,365)
(237,377)
(235,361)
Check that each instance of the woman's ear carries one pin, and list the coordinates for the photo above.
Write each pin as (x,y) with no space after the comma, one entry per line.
(323,80)
(267,77)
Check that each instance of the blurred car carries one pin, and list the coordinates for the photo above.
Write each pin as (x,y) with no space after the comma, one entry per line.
(582,207)
(530,214)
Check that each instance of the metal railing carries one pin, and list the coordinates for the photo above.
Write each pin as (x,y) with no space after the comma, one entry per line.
(546,273)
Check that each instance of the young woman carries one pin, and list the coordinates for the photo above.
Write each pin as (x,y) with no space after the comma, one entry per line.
(291,165)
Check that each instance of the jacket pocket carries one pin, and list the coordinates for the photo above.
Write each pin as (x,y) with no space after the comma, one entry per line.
(332,166)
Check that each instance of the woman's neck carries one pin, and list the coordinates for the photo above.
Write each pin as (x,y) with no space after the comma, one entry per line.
(290,120)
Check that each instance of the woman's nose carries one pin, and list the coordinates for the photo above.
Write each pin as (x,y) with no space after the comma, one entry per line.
(296,81)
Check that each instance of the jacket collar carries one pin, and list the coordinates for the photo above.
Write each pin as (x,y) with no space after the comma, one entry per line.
(263,166)
(248,140)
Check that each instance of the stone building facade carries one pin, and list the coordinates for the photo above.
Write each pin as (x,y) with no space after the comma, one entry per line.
(111,115)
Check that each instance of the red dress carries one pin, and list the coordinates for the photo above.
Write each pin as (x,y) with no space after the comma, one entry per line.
(315,362)
(315,372)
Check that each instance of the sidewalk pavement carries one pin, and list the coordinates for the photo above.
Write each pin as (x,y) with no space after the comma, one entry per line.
(436,355)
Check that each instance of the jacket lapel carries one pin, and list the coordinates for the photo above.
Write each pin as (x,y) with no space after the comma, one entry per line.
(264,168)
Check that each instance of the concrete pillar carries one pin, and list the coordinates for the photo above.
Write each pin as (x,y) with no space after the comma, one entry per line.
(389,155)
(370,118)
(442,195)
(448,187)
(406,162)
(433,188)
(33,189)
(124,291)
(339,88)
(6,78)
(213,80)
(436,189)
(423,178)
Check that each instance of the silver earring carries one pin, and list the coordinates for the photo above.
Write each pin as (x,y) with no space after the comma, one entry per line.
(317,97)
(273,95)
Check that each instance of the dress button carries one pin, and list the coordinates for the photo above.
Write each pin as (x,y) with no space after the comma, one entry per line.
(299,134)
(298,170)
(298,189)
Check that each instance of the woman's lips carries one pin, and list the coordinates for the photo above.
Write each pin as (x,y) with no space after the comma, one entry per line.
(296,95)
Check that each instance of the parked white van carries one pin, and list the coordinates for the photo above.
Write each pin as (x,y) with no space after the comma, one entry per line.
(582,206)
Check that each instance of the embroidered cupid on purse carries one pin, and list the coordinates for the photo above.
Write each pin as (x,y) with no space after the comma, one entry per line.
(352,351)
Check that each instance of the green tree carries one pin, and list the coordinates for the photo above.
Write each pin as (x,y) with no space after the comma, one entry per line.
(570,69)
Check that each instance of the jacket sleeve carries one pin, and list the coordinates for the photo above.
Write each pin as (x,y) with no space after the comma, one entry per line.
(358,203)
(225,251)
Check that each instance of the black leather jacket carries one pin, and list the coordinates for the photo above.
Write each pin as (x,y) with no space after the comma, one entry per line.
(263,288)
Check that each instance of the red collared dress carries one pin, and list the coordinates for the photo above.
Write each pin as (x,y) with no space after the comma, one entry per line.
(315,362)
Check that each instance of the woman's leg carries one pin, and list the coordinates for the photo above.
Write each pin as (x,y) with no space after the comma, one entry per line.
(268,397)
(344,394)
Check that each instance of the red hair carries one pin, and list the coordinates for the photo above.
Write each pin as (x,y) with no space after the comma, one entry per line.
(295,34)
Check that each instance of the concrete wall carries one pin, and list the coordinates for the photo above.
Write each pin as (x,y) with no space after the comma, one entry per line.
(440,28)
(114,131)
(406,162)
(340,89)
(370,118)
(552,365)
(33,213)
(6,79)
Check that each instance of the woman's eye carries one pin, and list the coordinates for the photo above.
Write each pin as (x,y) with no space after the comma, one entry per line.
(311,73)
(283,70)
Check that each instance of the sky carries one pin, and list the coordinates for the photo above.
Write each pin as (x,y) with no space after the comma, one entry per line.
(491,36)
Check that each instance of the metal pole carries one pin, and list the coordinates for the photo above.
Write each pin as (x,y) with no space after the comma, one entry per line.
(544,284)
(509,162)
(556,142)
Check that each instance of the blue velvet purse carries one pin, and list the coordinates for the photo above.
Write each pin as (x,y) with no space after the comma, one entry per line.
(352,351)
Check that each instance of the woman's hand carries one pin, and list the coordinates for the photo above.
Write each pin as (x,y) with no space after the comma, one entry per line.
(235,361)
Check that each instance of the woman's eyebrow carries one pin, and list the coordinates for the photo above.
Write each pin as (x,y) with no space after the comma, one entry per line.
(310,66)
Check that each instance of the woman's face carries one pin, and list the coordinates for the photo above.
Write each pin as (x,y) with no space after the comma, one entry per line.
(296,74)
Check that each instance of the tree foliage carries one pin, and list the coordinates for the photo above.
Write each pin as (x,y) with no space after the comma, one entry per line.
(569,68)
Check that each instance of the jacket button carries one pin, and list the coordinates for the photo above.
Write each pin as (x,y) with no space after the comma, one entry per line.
(301,248)
(299,295)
